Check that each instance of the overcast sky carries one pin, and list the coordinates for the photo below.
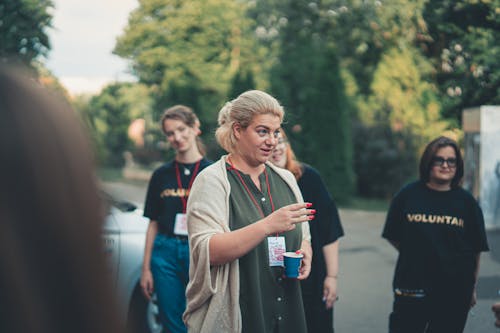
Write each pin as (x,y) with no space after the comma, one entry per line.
(82,39)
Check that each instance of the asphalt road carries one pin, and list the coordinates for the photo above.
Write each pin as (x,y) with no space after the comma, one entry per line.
(366,268)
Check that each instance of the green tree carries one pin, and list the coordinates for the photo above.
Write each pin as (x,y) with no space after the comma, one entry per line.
(306,78)
(385,159)
(188,50)
(328,126)
(465,50)
(400,117)
(241,82)
(23,30)
(108,116)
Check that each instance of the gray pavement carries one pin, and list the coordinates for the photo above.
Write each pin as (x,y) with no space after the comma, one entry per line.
(366,268)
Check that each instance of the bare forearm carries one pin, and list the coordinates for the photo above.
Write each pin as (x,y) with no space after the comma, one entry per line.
(331,253)
(229,246)
(476,272)
(151,233)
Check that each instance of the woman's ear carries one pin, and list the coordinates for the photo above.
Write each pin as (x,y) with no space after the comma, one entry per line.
(237,130)
(196,127)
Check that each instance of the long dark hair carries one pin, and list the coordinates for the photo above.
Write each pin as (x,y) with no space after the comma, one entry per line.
(54,275)
(430,152)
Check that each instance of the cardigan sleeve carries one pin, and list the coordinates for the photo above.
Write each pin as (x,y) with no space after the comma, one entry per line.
(213,291)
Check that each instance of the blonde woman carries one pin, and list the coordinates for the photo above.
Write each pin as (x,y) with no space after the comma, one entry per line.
(242,213)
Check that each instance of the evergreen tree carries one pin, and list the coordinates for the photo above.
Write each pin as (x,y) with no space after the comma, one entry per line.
(241,82)
(306,79)
(327,128)
(110,119)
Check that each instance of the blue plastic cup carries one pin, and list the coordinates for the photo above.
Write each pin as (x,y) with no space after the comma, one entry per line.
(292,262)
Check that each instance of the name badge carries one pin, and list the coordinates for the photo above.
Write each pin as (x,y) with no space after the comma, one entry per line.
(276,246)
(180,226)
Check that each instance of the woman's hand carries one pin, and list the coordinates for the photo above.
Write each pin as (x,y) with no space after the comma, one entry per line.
(473,300)
(305,267)
(147,284)
(329,291)
(496,310)
(285,218)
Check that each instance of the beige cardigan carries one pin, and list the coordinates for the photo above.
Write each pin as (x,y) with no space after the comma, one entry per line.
(213,292)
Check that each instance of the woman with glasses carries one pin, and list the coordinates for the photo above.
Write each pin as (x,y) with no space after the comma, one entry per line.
(319,291)
(243,213)
(438,229)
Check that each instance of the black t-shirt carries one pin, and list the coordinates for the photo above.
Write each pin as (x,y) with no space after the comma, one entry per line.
(163,198)
(325,228)
(439,235)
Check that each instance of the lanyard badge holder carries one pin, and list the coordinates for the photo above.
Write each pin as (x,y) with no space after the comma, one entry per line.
(180,225)
(276,245)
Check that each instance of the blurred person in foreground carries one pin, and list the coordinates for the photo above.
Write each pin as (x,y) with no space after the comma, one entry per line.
(319,290)
(438,229)
(165,268)
(243,213)
(53,277)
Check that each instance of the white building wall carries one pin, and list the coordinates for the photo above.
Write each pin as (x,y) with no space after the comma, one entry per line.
(489,196)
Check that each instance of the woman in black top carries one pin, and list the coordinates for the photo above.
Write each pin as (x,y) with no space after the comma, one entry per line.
(438,229)
(166,257)
(319,291)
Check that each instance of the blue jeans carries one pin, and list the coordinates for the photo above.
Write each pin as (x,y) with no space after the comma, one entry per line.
(170,268)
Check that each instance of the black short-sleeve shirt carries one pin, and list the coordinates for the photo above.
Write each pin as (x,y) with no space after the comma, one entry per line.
(439,235)
(325,228)
(163,197)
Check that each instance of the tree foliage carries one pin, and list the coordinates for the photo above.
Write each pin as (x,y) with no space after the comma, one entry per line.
(242,81)
(189,50)
(23,30)
(306,78)
(109,115)
(398,73)
(402,114)
(465,50)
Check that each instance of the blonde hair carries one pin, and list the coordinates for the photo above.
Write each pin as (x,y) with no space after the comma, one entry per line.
(242,110)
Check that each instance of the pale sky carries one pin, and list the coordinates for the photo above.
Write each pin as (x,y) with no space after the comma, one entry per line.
(82,40)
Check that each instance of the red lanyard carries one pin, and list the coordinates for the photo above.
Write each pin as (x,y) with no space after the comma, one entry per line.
(250,193)
(179,183)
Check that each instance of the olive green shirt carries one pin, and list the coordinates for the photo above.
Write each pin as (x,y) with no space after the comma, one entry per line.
(269,303)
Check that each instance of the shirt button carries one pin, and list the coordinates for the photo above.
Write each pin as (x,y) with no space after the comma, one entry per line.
(280,279)
(280,318)
(279,299)
(263,199)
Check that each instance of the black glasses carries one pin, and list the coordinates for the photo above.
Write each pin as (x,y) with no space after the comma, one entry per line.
(439,161)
